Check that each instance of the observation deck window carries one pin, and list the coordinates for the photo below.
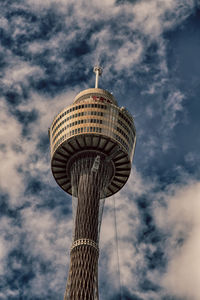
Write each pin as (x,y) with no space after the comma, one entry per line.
(121,141)
(89,105)
(98,113)
(97,121)
(82,129)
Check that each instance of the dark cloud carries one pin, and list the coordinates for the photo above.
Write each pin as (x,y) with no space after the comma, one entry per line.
(4,206)
(126,1)
(147,285)
(43,143)
(34,186)
(130,296)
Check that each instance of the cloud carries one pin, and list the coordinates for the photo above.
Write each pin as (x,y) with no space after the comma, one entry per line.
(10,154)
(34,246)
(46,242)
(132,251)
(154,17)
(48,49)
(181,220)
(20,73)
(164,261)
(172,106)
(20,155)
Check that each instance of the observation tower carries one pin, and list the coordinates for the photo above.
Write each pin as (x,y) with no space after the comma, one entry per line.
(92,146)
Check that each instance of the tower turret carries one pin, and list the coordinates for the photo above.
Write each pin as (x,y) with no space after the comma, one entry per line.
(92,147)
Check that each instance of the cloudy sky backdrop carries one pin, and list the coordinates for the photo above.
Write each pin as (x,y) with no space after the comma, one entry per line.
(150,52)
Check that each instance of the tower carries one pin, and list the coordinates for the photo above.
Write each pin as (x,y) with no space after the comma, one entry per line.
(92,146)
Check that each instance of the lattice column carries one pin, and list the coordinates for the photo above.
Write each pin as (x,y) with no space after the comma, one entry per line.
(89,177)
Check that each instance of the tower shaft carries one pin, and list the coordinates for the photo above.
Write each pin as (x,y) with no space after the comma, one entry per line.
(88,184)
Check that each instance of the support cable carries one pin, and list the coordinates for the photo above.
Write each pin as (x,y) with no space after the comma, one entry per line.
(117,248)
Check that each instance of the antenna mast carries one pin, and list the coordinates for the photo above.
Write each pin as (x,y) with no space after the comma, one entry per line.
(98,70)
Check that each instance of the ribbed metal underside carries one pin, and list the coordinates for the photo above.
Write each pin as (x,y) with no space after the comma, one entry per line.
(83,275)
(89,180)
(91,142)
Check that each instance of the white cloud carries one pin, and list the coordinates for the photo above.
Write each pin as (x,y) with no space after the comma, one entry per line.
(9,293)
(49,240)
(3,22)
(131,254)
(47,237)
(173,105)
(10,136)
(8,241)
(147,19)
(129,54)
(153,17)
(178,217)
(19,151)
(181,218)
(19,72)
(46,241)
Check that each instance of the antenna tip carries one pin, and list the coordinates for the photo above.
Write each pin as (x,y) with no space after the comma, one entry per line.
(98,69)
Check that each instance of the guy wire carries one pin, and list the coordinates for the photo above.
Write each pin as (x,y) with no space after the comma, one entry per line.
(117,248)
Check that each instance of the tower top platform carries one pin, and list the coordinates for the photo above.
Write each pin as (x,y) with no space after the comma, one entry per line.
(95,92)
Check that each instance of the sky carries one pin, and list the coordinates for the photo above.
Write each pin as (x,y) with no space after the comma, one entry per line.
(149,51)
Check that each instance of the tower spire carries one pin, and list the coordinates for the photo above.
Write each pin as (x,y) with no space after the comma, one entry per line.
(98,70)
